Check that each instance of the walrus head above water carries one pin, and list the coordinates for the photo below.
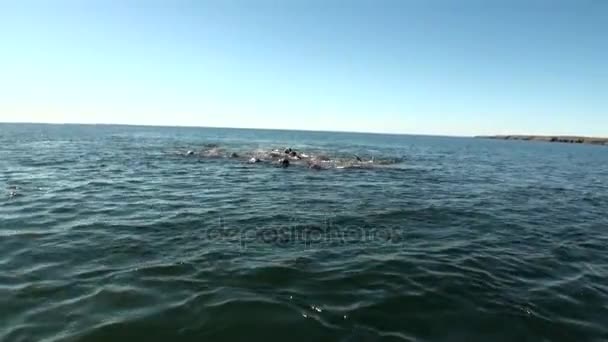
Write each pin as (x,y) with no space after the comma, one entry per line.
(284,162)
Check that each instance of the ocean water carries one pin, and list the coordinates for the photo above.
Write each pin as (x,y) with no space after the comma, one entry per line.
(113,233)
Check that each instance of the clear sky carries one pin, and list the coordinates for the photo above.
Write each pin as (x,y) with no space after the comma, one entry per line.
(459,67)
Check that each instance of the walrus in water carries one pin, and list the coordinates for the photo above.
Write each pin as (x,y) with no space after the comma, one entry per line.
(284,163)
(315,166)
(214,152)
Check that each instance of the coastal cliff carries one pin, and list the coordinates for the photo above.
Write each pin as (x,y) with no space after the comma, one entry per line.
(549,138)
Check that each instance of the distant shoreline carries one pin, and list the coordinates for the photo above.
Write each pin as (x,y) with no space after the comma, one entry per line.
(550,138)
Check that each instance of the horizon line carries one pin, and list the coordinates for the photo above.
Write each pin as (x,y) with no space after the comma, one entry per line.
(300,130)
(227,127)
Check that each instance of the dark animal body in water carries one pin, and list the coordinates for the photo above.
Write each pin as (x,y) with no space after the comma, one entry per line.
(315,166)
(284,162)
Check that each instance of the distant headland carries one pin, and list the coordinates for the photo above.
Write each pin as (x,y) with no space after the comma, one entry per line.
(550,138)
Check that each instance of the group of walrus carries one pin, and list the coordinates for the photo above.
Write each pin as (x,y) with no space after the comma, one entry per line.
(283,158)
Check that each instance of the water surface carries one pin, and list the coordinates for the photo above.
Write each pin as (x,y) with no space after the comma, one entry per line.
(111,233)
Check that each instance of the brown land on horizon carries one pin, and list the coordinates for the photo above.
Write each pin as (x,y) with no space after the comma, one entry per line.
(551,138)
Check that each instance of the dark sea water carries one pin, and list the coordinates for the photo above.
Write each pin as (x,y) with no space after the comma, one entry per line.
(111,233)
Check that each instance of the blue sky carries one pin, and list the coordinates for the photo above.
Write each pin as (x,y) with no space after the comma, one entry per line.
(432,67)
